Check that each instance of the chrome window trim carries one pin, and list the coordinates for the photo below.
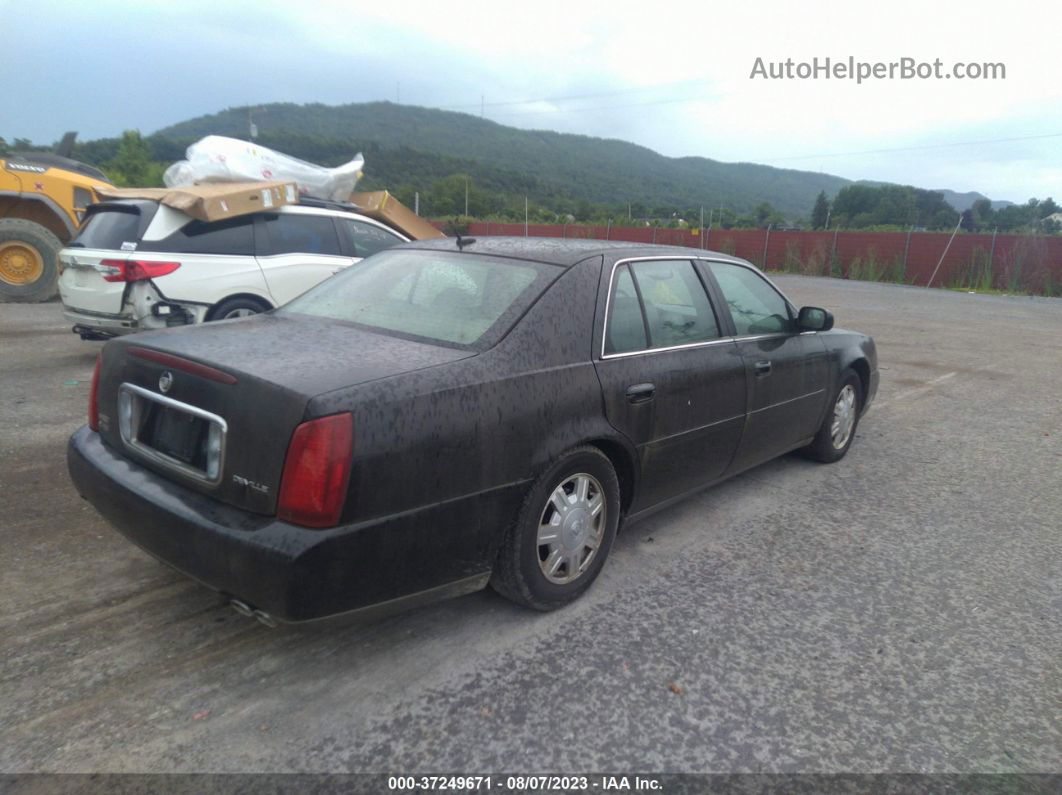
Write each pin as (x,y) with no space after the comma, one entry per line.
(703,258)
(150,453)
(704,344)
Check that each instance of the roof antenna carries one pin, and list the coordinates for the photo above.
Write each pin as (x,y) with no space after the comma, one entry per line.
(464,241)
(456,229)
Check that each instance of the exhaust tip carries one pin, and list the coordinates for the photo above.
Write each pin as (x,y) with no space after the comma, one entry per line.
(245,609)
(265,618)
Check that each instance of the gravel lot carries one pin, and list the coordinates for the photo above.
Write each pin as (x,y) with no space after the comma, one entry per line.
(898,611)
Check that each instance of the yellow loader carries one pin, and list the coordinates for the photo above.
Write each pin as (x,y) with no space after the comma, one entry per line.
(43,196)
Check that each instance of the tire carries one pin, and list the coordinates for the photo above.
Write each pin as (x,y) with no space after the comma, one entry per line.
(29,257)
(830,445)
(237,307)
(520,572)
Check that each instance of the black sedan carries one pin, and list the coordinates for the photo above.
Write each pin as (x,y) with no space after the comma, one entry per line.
(449,414)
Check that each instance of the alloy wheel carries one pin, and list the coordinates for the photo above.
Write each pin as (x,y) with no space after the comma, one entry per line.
(571,528)
(844,417)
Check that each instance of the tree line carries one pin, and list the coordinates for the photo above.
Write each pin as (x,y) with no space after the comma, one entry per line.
(449,187)
(898,207)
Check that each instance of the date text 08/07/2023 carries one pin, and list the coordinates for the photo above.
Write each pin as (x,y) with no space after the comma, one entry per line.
(518,783)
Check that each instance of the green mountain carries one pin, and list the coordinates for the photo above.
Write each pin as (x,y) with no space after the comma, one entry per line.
(412,146)
(964,201)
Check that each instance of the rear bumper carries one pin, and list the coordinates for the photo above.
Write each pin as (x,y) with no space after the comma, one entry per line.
(113,325)
(289,572)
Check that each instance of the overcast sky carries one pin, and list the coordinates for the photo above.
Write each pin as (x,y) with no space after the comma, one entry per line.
(673,77)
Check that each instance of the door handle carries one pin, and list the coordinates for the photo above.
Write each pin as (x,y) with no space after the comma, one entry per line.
(762,368)
(640,393)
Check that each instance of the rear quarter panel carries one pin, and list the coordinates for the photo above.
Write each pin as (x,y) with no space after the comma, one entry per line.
(454,448)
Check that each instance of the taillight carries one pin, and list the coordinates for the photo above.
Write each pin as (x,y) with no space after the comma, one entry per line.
(137,270)
(316,471)
(93,408)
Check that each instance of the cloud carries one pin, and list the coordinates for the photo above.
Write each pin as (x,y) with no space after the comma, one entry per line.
(674,77)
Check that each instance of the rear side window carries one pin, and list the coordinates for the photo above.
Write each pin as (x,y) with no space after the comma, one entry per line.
(366,239)
(233,236)
(295,233)
(462,300)
(658,304)
(626,325)
(677,311)
(109,228)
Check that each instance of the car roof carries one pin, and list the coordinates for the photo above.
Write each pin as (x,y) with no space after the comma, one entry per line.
(315,206)
(561,251)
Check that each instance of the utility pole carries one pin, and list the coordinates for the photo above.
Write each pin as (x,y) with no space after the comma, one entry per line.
(945,253)
(466,196)
(906,250)
(416,203)
(252,128)
(828,211)
(525,216)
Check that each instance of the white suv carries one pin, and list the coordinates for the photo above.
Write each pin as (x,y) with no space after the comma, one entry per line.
(137,264)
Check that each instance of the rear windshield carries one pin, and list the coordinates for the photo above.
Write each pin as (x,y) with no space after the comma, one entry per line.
(110,226)
(457,299)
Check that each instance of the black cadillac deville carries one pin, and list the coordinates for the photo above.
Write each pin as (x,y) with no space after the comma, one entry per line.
(449,414)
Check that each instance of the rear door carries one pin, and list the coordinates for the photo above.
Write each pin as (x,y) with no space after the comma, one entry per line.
(785,370)
(673,382)
(216,258)
(108,237)
(297,249)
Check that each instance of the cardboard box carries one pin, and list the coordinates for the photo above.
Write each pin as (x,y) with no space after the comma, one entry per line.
(214,201)
(385,208)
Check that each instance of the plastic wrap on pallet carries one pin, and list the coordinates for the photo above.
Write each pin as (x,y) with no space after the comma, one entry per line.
(220,159)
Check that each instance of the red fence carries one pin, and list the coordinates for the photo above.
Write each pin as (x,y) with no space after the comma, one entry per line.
(1005,262)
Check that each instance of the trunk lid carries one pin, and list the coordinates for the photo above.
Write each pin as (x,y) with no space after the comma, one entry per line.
(82,285)
(251,377)
(111,232)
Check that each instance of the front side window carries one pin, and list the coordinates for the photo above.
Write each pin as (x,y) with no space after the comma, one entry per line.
(366,238)
(296,233)
(459,299)
(755,306)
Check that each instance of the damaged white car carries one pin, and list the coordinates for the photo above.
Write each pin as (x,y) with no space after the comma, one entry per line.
(139,264)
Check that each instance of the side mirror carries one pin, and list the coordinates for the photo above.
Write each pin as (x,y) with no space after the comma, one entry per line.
(813,318)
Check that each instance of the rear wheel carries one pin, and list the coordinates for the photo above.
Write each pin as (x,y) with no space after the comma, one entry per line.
(29,254)
(838,429)
(237,307)
(563,533)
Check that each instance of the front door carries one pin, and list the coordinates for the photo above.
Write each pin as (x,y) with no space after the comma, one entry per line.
(672,382)
(785,369)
